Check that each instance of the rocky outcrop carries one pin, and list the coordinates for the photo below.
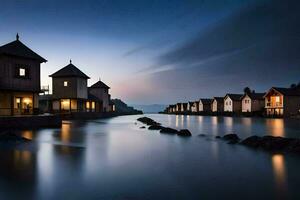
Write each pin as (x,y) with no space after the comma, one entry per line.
(271,143)
(148,121)
(231,138)
(142,127)
(184,132)
(168,130)
(155,127)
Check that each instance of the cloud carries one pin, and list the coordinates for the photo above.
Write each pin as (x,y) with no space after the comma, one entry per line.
(258,46)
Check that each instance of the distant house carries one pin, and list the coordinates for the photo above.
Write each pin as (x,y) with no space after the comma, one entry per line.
(184,107)
(173,109)
(253,102)
(195,107)
(217,104)
(178,107)
(282,102)
(233,103)
(189,106)
(101,91)
(70,92)
(19,79)
(204,105)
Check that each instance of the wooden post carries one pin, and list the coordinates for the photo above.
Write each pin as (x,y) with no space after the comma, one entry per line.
(33,101)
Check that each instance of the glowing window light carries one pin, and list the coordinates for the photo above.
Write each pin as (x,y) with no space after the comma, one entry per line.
(65,83)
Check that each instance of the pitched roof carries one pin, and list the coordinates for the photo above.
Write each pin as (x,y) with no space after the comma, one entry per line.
(70,71)
(100,84)
(18,49)
(219,99)
(235,97)
(286,91)
(206,101)
(255,96)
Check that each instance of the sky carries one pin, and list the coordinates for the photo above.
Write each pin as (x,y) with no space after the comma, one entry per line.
(163,52)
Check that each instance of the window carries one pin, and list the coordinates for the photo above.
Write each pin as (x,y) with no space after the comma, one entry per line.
(65,83)
(22,72)
(277,99)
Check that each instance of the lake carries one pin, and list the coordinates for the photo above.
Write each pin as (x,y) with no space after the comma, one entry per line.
(115,159)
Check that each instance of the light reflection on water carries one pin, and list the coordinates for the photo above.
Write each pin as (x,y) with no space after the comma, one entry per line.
(115,159)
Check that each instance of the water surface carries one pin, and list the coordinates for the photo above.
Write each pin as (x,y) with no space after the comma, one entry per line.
(115,159)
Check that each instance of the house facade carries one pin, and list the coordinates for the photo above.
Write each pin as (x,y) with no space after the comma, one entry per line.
(189,106)
(184,107)
(253,102)
(101,91)
(233,103)
(178,107)
(70,92)
(195,107)
(217,104)
(204,105)
(282,102)
(19,79)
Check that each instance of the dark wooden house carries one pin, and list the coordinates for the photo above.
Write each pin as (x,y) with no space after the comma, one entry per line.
(19,79)
(101,91)
(70,91)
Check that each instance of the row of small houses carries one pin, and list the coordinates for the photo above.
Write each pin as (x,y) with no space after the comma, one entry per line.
(279,102)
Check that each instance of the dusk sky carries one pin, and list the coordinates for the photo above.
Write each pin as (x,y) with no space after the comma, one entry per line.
(163,51)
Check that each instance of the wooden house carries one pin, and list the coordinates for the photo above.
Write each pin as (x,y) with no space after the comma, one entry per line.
(204,105)
(70,91)
(189,106)
(195,107)
(101,91)
(233,103)
(178,107)
(184,107)
(19,79)
(217,104)
(253,102)
(283,102)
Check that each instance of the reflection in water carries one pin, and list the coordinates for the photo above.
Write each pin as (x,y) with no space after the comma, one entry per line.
(176,121)
(275,127)
(188,122)
(279,173)
(228,124)
(65,132)
(214,123)
(182,120)
(27,134)
(22,158)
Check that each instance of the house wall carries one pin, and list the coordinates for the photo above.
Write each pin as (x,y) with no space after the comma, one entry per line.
(9,79)
(237,106)
(200,106)
(246,104)
(291,106)
(195,107)
(214,106)
(228,105)
(257,105)
(102,94)
(77,88)
(5,103)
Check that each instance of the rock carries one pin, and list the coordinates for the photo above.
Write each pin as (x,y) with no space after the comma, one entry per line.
(142,127)
(184,132)
(218,137)
(168,130)
(275,143)
(201,135)
(155,127)
(11,137)
(252,141)
(148,121)
(231,138)
(294,146)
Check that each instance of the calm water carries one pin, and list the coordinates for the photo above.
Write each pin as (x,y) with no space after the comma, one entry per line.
(114,159)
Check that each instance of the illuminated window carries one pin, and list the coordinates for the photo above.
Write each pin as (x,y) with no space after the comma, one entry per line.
(277,99)
(22,72)
(93,105)
(66,83)
(87,105)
